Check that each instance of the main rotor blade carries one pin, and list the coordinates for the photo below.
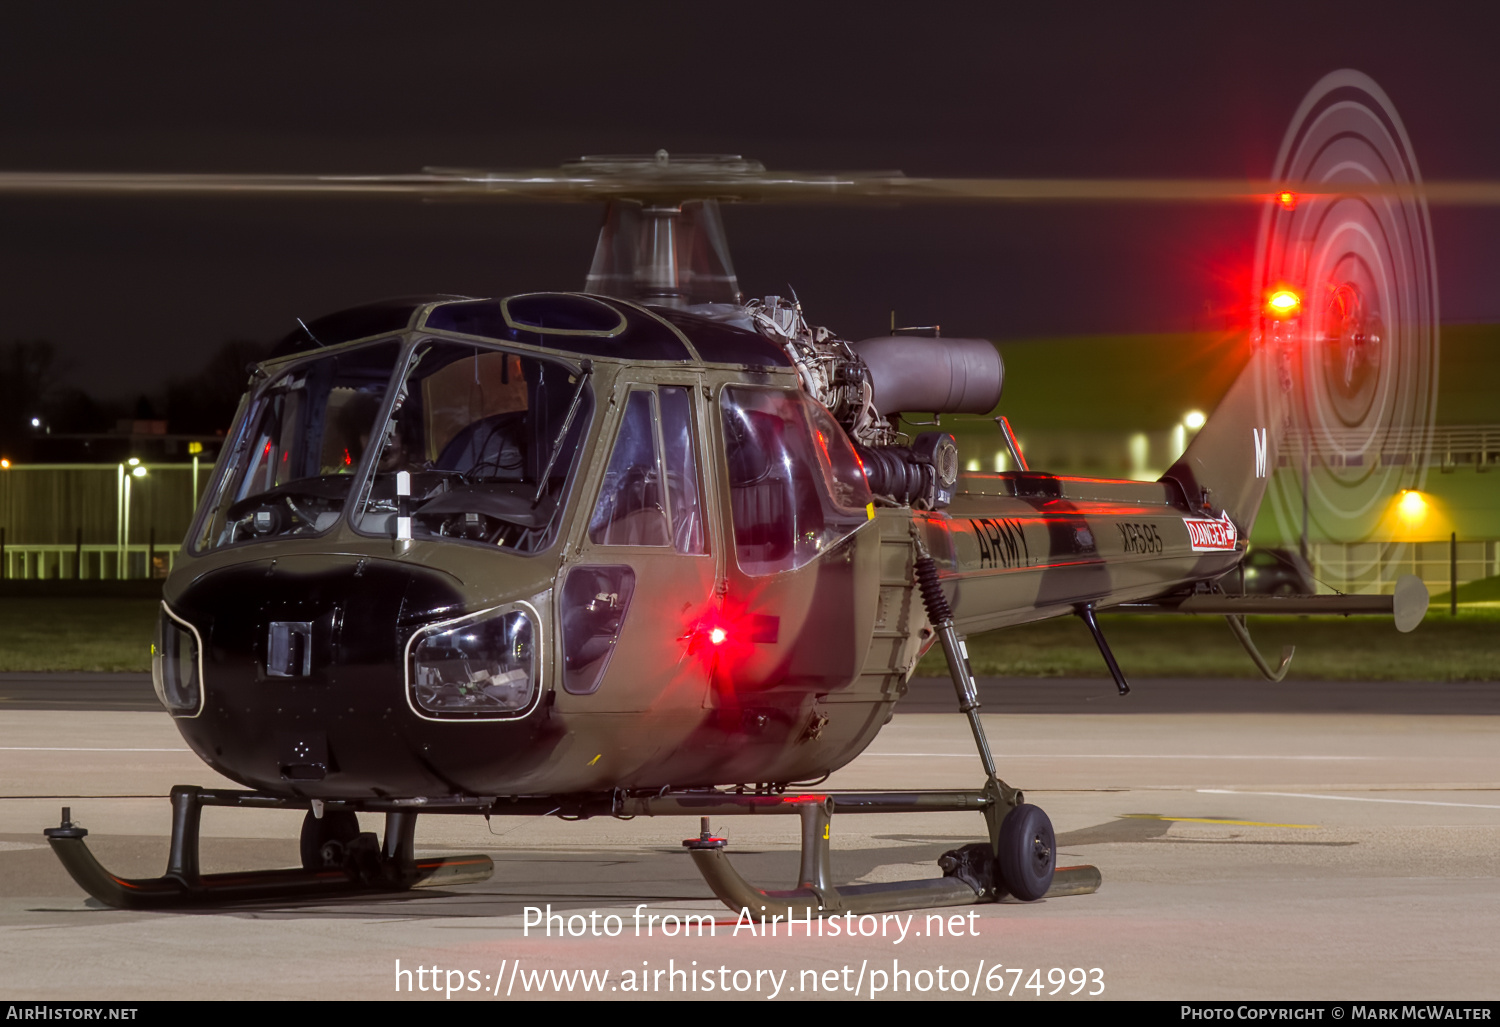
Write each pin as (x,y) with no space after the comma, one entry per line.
(668,186)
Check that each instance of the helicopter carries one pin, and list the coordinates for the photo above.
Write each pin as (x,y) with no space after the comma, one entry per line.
(651,549)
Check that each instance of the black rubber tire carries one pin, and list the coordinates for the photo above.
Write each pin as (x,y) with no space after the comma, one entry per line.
(1028,853)
(339,826)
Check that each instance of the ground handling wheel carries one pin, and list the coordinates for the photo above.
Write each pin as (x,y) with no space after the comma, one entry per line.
(1028,853)
(325,840)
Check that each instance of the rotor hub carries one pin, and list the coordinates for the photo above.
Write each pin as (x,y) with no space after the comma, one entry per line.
(1350,343)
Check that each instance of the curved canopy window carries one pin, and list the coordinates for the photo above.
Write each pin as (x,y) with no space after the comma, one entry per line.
(795,484)
(298,447)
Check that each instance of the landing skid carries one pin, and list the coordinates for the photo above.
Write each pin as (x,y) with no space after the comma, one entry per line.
(370,868)
(970,873)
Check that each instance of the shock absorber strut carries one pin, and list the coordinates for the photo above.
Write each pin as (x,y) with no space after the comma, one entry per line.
(959,668)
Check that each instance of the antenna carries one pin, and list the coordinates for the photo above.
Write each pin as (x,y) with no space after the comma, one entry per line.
(310,335)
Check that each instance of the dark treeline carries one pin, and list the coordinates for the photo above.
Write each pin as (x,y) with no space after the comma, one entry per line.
(33,386)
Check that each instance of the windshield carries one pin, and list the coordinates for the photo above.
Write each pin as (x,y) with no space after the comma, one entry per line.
(299,447)
(482,442)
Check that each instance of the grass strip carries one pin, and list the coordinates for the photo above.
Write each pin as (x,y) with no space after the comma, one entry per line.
(1442,648)
(53,633)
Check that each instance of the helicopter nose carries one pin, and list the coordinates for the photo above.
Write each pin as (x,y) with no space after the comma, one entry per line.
(305,677)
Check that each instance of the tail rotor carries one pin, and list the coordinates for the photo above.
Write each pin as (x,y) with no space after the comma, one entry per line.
(1362,341)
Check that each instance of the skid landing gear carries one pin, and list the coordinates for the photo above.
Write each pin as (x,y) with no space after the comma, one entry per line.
(344,867)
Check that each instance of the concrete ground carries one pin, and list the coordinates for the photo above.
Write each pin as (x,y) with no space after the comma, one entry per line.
(1255,842)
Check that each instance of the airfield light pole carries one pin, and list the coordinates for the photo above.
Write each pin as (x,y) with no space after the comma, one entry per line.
(1453,574)
(1306,459)
(195,448)
(124,565)
(137,470)
(120,493)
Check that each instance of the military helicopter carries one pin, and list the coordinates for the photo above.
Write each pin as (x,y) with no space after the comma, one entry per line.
(650,549)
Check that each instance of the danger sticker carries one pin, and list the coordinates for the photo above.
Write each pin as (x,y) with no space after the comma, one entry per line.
(1207,535)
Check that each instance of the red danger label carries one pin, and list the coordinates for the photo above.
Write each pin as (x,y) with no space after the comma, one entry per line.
(1208,535)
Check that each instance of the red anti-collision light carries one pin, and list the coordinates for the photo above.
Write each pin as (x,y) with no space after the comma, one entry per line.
(1287,199)
(717,636)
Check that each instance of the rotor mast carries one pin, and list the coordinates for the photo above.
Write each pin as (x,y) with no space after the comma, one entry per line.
(661,248)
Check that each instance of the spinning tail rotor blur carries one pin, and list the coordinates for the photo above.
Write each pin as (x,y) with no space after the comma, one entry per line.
(1348,277)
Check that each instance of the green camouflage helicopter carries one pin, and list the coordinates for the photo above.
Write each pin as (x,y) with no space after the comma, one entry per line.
(650,549)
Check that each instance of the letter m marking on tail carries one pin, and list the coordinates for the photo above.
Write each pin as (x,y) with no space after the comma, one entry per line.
(1259,434)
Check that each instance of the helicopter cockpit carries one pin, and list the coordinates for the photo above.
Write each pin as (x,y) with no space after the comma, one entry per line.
(476,444)
(478,447)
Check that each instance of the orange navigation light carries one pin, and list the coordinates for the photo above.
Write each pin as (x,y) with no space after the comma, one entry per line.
(1287,199)
(4,464)
(1284,303)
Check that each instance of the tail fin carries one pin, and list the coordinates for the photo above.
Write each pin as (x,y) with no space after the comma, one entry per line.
(1229,463)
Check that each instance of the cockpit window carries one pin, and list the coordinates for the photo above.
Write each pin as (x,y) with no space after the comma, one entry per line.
(632,506)
(650,495)
(298,448)
(795,484)
(487,441)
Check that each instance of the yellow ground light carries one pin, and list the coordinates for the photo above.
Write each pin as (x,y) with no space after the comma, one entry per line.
(1414,516)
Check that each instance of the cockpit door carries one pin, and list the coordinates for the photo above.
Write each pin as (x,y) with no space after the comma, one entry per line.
(634,596)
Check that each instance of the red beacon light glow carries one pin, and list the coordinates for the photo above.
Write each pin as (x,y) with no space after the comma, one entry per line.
(1284,303)
(717,636)
(1287,199)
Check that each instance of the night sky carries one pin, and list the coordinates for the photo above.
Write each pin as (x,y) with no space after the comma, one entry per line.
(135,291)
